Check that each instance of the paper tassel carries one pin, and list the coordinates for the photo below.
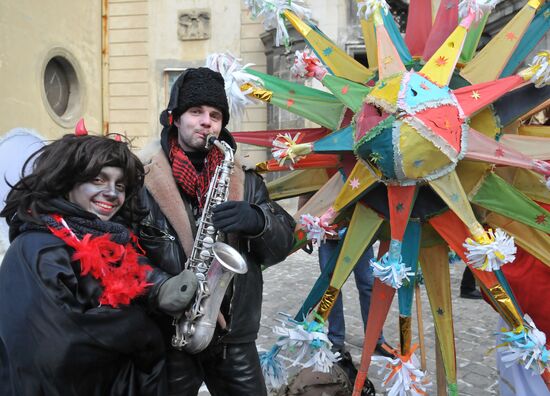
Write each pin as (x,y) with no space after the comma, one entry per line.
(365,9)
(286,147)
(273,368)
(272,12)
(235,77)
(525,346)
(391,269)
(548,182)
(478,8)
(317,228)
(491,251)
(538,71)
(306,64)
(308,342)
(404,377)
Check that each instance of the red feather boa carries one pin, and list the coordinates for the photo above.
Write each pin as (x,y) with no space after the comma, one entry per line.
(116,267)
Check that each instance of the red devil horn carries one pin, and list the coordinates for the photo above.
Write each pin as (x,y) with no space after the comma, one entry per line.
(80,128)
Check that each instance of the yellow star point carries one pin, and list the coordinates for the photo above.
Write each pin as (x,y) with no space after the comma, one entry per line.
(475,95)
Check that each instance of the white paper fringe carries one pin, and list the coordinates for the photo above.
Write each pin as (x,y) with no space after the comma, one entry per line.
(477,7)
(281,146)
(234,76)
(491,256)
(541,62)
(408,380)
(308,343)
(527,348)
(316,229)
(304,61)
(273,369)
(390,271)
(365,9)
(272,12)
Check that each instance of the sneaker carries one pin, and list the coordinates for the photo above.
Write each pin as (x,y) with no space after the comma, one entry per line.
(471,294)
(379,350)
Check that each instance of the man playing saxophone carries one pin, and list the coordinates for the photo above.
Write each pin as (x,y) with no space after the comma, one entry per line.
(179,173)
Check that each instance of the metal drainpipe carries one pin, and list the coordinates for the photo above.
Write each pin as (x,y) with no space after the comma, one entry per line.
(105,66)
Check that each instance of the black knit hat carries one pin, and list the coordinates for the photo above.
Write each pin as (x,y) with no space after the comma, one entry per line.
(196,87)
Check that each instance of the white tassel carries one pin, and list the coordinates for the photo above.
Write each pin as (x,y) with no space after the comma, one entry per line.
(548,182)
(308,342)
(234,76)
(316,229)
(281,145)
(273,369)
(542,74)
(306,65)
(391,269)
(538,71)
(478,8)
(272,12)
(366,9)
(408,379)
(526,347)
(391,272)
(491,255)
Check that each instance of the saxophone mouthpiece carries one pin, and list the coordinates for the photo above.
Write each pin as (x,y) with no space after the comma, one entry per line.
(210,140)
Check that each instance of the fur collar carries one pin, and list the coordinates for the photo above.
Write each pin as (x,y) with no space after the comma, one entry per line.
(162,186)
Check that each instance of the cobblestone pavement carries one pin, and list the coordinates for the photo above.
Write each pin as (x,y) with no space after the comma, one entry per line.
(287,284)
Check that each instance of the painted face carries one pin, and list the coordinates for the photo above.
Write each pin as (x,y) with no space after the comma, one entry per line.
(196,124)
(104,195)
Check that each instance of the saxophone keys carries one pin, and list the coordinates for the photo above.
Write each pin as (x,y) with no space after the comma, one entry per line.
(208,242)
(205,255)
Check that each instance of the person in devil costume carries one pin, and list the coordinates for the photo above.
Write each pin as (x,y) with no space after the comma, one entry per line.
(71,322)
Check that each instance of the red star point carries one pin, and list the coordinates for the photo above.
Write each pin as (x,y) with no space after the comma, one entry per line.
(289,102)
(541,219)
(441,61)
(345,89)
(511,36)
(499,152)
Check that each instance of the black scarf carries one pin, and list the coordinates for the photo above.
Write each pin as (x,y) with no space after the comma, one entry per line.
(80,222)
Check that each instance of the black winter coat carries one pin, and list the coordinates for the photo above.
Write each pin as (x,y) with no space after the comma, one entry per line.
(56,340)
(163,246)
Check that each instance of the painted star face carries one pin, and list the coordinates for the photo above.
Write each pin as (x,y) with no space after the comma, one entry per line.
(410,129)
(102,196)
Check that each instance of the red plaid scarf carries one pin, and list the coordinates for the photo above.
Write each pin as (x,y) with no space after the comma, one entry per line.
(192,183)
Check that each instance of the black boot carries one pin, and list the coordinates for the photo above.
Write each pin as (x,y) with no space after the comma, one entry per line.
(346,363)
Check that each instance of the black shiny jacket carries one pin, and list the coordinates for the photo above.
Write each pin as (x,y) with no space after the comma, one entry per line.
(163,248)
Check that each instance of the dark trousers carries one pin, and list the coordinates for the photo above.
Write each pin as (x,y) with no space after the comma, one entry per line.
(227,370)
(468,282)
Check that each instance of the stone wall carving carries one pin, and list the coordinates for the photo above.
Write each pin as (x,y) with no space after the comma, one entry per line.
(193,24)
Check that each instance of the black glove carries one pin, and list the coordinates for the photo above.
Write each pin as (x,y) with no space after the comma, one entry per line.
(238,216)
(177,292)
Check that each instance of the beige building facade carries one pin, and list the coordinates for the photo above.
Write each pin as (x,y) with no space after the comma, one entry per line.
(111,62)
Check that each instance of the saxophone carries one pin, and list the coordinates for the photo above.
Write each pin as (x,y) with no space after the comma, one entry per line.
(214,263)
